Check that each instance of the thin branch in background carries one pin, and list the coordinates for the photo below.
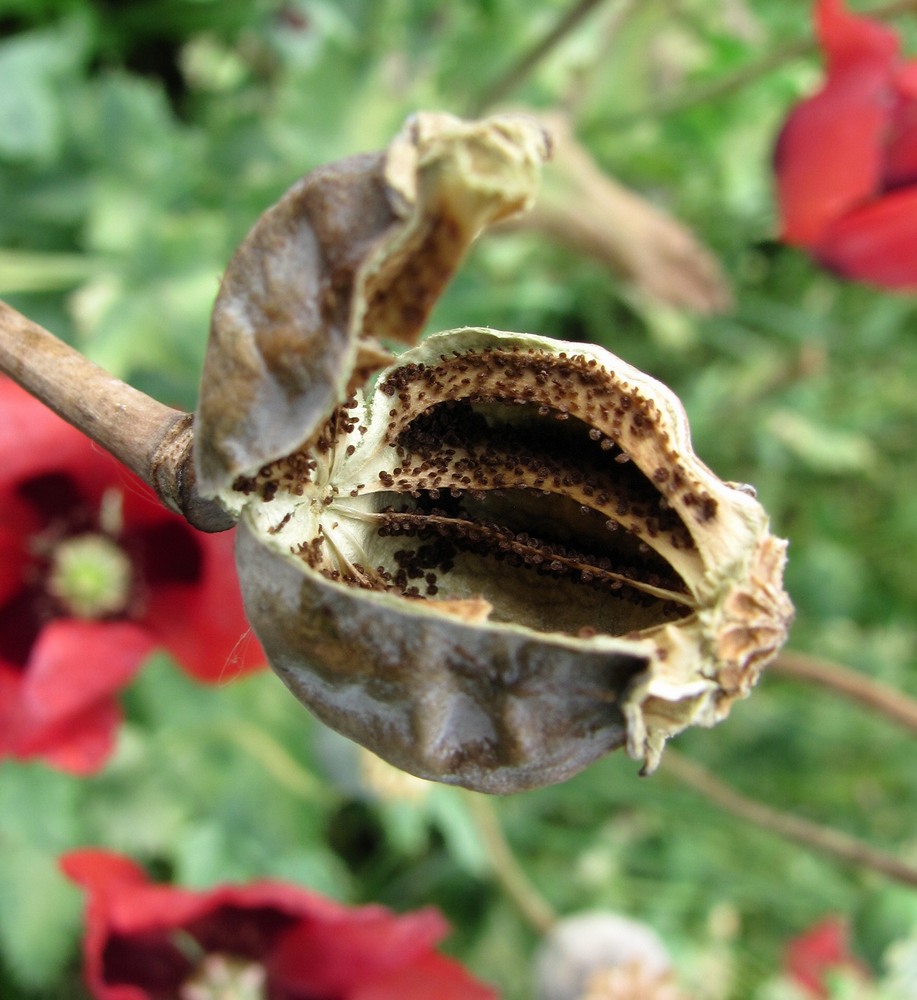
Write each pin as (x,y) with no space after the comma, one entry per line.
(584,82)
(522,68)
(151,439)
(536,910)
(657,257)
(822,839)
(895,705)
(714,90)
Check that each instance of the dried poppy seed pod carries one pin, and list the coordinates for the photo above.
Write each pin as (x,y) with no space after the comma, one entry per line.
(504,559)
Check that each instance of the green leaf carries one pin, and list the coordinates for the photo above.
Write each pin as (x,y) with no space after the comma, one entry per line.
(822,448)
(38,805)
(30,123)
(32,67)
(39,914)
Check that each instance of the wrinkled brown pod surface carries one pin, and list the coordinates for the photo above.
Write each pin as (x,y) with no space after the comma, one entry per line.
(502,559)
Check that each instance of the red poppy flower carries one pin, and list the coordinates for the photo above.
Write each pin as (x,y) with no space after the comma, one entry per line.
(811,957)
(846,159)
(271,940)
(94,574)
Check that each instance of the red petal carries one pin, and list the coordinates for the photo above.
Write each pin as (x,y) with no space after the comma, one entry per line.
(362,954)
(810,956)
(431,976)
(76,664)
(134,905)
(35,441)
(288,899)
(124,901)
(119,895)
(31,436)
(829,155)
(901,144)
(65,710)
(876,243)
(204,626)
(10,683)
(336,957)
(848,39)
(906,79)
(106,878)
(80,744)
(101,872)
(139,504)
(14,559)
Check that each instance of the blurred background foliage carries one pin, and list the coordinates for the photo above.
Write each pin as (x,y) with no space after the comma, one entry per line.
(138,143)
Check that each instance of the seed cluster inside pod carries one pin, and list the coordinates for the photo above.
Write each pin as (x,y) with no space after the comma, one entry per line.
(536,479)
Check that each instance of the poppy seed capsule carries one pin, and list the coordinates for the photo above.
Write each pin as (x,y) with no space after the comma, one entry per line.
(432,570)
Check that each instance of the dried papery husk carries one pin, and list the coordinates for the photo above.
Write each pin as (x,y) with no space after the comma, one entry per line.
(502,559)
(355,252)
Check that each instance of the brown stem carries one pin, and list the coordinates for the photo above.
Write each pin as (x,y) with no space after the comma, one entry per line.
(523,66)
(151,439)
(823,839)
(537,911)
(713,90)
(890,702)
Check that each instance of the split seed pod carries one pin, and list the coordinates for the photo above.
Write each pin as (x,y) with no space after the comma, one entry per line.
(497,558)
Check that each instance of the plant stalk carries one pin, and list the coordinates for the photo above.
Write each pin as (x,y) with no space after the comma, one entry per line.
(520,70)
(151,439)
(822,839)
(895,705)
(536,910)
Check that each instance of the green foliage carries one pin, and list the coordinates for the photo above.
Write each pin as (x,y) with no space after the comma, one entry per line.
(138,142)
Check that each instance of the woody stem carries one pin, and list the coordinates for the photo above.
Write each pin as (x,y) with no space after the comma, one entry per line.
(822,839)
(151,439)
(512,878)
(889,701)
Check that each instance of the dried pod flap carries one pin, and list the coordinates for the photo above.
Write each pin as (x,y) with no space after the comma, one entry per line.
(504,559)
(355,252)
